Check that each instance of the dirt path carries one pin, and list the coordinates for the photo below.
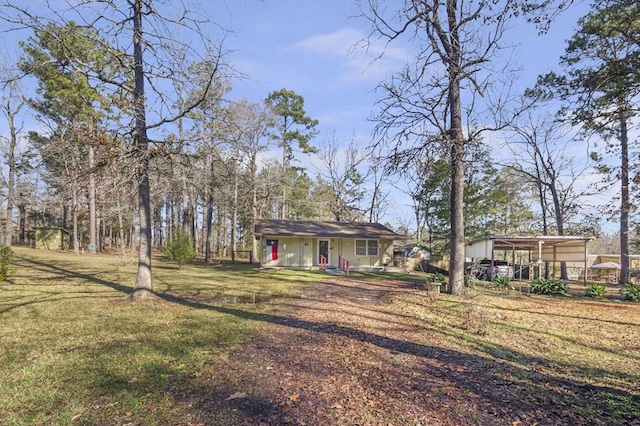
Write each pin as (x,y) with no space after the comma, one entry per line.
(343,355)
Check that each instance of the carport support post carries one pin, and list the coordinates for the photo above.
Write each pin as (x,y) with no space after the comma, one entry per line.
(586,259)
(540,243)
(513,260)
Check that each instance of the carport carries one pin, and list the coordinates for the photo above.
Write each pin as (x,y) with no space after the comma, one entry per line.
(543,248)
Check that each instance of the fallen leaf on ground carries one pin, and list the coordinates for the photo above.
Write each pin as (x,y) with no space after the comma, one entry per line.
(236,395)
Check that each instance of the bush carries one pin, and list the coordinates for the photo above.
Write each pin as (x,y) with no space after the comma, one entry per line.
(597,291)
(630,291)
(502,282)
(435,277)
(180,248)
(5,257)
(544,286)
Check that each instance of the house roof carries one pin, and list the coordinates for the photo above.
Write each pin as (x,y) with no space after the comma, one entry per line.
(316,228)
(502,242)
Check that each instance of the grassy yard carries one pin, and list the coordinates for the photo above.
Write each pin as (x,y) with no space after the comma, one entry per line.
(565,352)
(75,350)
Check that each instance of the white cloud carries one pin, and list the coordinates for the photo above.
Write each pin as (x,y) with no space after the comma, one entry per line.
(360,61)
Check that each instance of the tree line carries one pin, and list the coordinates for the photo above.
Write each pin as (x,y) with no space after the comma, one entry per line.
(138,135)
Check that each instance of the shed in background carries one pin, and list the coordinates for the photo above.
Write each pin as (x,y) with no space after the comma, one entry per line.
(52,238)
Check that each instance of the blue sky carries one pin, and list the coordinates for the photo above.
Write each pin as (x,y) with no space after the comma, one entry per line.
(310,49)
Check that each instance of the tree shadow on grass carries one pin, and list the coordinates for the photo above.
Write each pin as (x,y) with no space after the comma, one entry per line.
(62,273)
(178,397)
(556,314)
(517,385)
(32,263)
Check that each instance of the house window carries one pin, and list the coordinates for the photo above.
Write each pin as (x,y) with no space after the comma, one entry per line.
(366,247)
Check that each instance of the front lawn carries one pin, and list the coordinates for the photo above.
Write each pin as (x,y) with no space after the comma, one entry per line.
(233,344)
(75,348)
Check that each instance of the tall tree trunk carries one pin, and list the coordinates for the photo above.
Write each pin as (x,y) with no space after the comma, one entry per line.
(193,221)
(11,184)
(65,214)
(100,231)
(456,263)
(143,286)
(285,181)
(157,227)
(254,213)
(122,243)
(185,204)
(209,217)
(92,203)
(170,217)
(234,215)
(221,231)
(624,195)
(254,205)
(76,237)
(283,213)
(564,274)
(206,228)
(456,138)
(22,223)
(543,207)
(416,212)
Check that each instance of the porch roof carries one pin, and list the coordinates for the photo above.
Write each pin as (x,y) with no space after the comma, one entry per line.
(316,228)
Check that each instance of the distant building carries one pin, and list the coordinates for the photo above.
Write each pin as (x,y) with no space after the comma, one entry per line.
(52,238)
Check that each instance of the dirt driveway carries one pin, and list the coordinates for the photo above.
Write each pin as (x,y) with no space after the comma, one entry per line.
(343,354)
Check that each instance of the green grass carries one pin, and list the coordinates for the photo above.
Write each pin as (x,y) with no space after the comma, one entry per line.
(567,340)
(74,347)
(75,350)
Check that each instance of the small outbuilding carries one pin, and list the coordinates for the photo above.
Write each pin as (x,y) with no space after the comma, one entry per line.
(52,238)
(301,244)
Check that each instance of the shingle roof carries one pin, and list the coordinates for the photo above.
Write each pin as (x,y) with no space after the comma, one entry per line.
(315,228)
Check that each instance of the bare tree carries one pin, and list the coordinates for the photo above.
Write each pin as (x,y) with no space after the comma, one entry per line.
(415,173)
(435,100)
(380,200)
(422,105)
(342,180)
(250,124)
(545,155)
(11,104)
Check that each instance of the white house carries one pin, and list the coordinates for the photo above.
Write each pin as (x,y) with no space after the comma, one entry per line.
(301,244)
